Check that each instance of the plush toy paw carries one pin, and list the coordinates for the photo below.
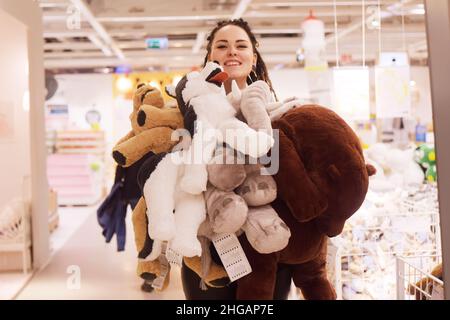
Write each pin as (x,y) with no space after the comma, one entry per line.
(119,157)
(186,247)
(265,230)
(224,170)
(262,146)
(258,190)
(194,182)
(287,105)
(162,226)
(156,251)
(227,213)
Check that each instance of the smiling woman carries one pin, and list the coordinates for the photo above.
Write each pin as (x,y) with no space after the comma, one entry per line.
(233,45)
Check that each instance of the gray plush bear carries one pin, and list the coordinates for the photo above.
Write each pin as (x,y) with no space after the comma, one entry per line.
(238,195)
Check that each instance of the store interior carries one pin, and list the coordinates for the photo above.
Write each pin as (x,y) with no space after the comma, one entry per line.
(71,68)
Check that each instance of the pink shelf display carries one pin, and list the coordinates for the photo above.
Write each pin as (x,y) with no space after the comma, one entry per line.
(77,178)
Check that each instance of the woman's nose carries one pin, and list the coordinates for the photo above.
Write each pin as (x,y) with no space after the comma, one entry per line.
(232,51)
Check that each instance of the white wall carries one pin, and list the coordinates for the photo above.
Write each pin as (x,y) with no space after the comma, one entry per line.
(30,16)
(293,82)
(83,92)
(15,141)
(289,82)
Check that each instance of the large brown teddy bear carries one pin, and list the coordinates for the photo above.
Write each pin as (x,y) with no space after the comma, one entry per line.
(322,180)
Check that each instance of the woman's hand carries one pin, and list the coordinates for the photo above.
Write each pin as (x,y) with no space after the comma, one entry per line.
(277,109)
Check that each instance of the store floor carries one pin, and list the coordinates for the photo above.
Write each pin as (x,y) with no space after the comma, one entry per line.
(85,267)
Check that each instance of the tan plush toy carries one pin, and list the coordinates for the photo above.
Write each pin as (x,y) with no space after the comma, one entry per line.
(152,126)
(425,285)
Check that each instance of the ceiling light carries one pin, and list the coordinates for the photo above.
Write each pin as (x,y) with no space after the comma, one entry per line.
(124,84)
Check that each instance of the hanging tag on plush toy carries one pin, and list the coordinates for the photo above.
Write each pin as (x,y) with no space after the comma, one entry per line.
(232,255)
(174,257)
(158,283)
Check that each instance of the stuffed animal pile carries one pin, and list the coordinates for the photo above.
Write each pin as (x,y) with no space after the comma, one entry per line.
(166,192)
(321,181)
(396,168)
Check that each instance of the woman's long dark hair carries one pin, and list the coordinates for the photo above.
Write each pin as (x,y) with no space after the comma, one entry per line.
(261,69)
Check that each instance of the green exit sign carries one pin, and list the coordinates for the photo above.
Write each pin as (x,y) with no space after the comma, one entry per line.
(157,43)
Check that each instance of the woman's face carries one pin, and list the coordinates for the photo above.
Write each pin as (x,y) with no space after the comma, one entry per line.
(233,50)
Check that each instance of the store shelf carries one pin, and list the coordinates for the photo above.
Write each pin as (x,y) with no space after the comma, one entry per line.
(75,169)
(415,279)
(403,223)
(80,142)
(73,178)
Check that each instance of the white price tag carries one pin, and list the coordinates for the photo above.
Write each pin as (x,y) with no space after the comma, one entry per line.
(158,283)
(174,257)
(232,255)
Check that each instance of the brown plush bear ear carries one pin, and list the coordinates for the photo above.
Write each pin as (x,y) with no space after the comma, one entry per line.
(370,170)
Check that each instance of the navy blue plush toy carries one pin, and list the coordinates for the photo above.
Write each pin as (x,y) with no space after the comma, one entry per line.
(111,215)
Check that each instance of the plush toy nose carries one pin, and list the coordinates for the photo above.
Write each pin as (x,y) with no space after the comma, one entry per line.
(220,77)
(217,77)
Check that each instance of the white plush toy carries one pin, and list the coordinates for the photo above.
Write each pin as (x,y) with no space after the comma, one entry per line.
(173,191)
(396,168)
(216,123)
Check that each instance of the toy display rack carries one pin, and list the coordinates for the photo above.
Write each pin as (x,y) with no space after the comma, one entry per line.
(411,270)
(348,261)
(80,142)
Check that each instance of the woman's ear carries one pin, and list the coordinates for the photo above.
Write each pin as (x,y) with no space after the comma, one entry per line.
(255,59)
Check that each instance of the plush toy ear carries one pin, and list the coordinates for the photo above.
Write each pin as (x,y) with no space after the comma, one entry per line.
(170,90)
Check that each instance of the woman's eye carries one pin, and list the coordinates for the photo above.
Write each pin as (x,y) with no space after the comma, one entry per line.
(242,47)
(221,47)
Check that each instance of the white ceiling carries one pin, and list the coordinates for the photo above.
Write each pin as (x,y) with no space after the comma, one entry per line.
(113,32)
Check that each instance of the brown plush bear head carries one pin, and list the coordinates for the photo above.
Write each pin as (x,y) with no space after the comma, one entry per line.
(325,176)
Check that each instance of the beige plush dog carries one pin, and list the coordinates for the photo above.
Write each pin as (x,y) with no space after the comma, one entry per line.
(152,126)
